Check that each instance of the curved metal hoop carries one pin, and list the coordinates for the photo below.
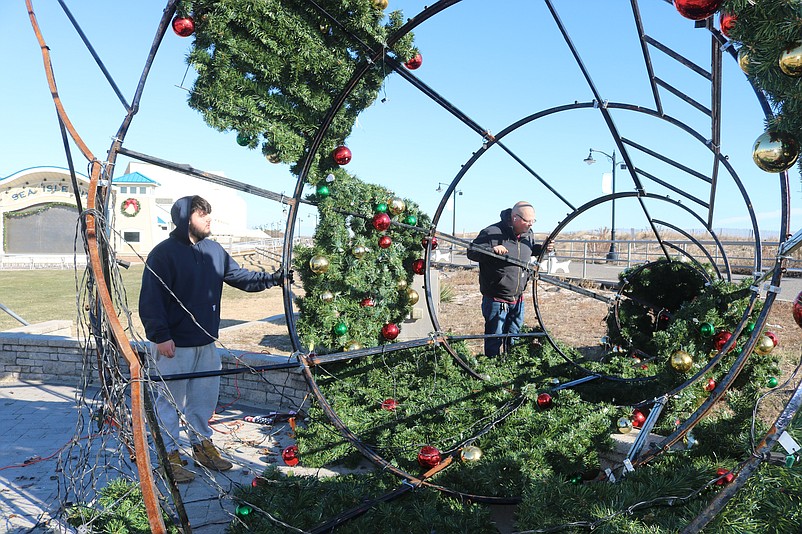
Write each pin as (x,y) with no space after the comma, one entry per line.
(638,195)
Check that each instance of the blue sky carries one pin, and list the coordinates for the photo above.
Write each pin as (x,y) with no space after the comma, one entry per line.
(497,61)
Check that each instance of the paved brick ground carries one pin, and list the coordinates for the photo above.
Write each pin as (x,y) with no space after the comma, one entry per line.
(40,422)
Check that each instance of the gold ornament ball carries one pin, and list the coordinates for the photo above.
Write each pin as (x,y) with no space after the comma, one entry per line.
(775,151)
(327,296)
(401,284)
(359,251)
(352,345)
(396,205)
(791,60)
(412,296)
(319,264)
(681,361)
(743,59)
(624,425)
(273,158)
(471,453)
(380,4)
(764,345)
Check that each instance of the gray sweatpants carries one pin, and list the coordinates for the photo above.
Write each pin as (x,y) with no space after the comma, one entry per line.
(196,398)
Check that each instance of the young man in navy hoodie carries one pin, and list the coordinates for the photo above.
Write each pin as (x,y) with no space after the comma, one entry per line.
(180,308)
(502,283)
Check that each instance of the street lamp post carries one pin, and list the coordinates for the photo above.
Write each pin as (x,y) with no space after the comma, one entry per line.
(612,254)
(453,210)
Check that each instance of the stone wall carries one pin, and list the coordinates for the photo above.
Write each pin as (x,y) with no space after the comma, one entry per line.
(59,358)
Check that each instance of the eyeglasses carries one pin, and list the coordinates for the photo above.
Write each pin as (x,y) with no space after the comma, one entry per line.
(530,223)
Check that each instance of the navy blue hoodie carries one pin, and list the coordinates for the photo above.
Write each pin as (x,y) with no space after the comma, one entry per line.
(195,275)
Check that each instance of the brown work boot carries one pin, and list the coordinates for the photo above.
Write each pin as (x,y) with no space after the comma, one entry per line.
(207,455)
(180,475)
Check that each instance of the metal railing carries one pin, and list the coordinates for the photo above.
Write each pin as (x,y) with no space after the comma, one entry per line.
(740,254)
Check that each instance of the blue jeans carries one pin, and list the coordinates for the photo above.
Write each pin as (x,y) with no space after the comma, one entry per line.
(501,318)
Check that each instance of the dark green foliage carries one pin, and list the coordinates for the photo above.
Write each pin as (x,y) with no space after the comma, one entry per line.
(539,453)
(652,294)
(119,510)
(767,29)
(530,451)
(306,502)
(442,406)
(271,69)
(664,499)
(345,222)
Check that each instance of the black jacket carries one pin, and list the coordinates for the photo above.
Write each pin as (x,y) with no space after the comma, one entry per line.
(498,278)
(195,275)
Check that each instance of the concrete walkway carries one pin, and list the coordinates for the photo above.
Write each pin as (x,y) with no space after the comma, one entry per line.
(41,443)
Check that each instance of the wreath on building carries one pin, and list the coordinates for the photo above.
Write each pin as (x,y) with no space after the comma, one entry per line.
(130,207)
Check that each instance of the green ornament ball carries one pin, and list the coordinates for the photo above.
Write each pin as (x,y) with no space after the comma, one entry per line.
(323,190)
(411,220)
(243,510)
(750,326)
(381,207)
(243,140)
(707,329)
(341,329)
(772,382)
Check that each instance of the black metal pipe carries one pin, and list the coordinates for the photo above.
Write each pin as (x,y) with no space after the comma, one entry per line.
(95,56)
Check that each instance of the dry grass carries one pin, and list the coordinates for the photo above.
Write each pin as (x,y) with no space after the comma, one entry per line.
(573,319)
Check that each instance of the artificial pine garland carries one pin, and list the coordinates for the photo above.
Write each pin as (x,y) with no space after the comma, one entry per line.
(271,69)
(766,29)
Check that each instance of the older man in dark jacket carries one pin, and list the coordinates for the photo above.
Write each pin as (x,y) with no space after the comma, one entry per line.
(502,283)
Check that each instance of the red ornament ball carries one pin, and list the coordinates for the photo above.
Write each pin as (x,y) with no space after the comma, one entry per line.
(390,331)
(428,456)
(366,302)
(381,222)
(726,475)
(389,404)
(341,155)
(798,309)
(414,62)
(183,26)
(697,9)
(290,455)
(727,23)
(773,337)
(385,241)
(544,401)
(721,339)
(710,385)
(419,266)
(425,242)
(638,418)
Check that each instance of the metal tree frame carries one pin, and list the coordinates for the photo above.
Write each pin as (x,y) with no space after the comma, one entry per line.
(95,227)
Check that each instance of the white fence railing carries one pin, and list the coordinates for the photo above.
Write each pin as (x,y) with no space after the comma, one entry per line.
(740,254)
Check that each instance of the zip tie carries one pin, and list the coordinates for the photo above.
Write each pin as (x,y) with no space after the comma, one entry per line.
(610,475)
(774,289)
(628,465)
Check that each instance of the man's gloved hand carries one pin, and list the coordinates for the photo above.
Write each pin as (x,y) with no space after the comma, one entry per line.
(280,277)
